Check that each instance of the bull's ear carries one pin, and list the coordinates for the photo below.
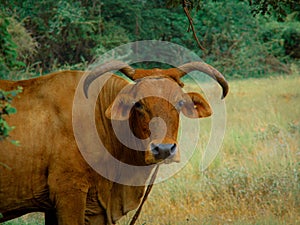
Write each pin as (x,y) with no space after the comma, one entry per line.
(195,106)
(120,108)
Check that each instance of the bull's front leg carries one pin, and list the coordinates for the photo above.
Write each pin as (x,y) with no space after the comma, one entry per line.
(70,207)
(50,217)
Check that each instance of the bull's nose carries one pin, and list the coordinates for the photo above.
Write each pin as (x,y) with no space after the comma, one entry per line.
(163,151)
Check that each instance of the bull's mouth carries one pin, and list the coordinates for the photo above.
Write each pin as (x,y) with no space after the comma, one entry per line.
(151,160)
(171,160)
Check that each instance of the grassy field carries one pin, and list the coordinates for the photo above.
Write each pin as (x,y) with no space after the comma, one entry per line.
(256,176)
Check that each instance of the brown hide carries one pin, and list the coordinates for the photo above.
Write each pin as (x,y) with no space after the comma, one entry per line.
(47,173)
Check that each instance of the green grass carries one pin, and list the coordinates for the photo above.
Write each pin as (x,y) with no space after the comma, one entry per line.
(255,178)
(29,219)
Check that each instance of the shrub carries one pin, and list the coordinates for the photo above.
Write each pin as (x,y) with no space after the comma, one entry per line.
(282,39)
(291,37)
(17,47)
(8,52)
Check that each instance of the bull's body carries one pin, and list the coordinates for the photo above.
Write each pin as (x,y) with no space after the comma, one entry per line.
(47,172)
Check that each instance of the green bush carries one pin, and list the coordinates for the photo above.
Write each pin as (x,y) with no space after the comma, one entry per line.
(26,45)
(291,37)
(282,39)
(8,52)
(17,48)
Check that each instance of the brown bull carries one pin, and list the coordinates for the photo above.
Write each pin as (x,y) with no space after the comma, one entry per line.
(47,172)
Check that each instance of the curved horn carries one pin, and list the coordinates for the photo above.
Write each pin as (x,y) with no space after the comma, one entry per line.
(205,68)
(104,68)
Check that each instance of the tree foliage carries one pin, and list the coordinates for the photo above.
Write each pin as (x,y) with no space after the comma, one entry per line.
(72,33)
(277,8)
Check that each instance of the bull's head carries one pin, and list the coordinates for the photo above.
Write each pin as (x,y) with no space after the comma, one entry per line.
(157,93)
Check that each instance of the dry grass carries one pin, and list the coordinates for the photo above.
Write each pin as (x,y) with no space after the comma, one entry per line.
(256,176)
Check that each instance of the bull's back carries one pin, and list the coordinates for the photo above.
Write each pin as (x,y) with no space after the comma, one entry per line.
(43,126)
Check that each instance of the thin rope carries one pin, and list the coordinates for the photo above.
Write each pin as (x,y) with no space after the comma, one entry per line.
(138,211)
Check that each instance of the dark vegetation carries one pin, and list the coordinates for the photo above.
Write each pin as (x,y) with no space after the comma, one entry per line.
(241,38)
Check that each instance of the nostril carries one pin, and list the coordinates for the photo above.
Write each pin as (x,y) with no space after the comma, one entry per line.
(173,149)
(154,149)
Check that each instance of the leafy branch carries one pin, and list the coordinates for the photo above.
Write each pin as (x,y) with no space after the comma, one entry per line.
(7,109)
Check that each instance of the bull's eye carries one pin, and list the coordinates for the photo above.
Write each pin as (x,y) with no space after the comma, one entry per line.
(180,104)
(138,105)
